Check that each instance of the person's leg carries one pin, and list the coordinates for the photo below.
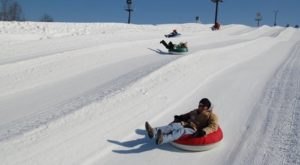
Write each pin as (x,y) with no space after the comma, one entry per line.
(164,43)
(165,129)
(149,130)
(169,128)
(168,133)
(175,134)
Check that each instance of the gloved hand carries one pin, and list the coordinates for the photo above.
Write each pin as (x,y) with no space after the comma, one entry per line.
(199,133)
(177,118)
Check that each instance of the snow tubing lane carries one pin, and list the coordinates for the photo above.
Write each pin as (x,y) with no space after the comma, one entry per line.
(207,142)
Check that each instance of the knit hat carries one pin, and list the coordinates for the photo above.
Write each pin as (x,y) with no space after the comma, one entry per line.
(205,102)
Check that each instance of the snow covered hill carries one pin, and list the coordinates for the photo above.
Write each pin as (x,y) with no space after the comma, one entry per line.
(79,93)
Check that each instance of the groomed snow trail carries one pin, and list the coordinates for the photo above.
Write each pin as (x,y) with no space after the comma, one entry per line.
(273,131)
(33,73)
(86,102)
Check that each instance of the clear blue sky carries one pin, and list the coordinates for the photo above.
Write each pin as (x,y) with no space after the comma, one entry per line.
(164,11)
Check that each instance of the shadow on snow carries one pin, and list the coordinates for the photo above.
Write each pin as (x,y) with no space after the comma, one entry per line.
(142,144)
(160,51)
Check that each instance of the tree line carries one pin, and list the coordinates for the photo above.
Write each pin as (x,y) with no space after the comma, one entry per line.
(11,10)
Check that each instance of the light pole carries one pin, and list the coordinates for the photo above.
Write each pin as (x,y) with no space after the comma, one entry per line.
(217,8)
(275,17)
(129,9)
(258,18)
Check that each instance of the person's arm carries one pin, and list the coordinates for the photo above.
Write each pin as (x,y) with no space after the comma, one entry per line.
(212,124)
(212,127)
(183,117)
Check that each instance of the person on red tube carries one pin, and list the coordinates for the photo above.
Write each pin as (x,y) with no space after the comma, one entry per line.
(198,123)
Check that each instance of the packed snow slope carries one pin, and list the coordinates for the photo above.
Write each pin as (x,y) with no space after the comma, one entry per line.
(74,93)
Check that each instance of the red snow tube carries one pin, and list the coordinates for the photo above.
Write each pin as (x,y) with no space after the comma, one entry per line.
(207,142)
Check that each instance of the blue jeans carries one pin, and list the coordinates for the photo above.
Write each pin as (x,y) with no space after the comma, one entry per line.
(173,131)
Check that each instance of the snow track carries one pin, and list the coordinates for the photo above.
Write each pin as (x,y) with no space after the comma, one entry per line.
(273,130)
(85,99)
(84,68)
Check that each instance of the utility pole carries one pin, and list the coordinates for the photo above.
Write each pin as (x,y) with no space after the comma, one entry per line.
(129,9)
(275,17)
(217,8)
(258,18)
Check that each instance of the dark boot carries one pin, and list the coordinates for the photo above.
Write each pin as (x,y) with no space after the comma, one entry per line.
(149,130)
(159,137)
(164,43)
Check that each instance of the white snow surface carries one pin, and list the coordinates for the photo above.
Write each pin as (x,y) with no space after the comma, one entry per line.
(80,93)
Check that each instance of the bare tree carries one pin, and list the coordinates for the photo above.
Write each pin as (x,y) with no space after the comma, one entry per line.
(4,9)
(15,12)
(46,18)
(11,11)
